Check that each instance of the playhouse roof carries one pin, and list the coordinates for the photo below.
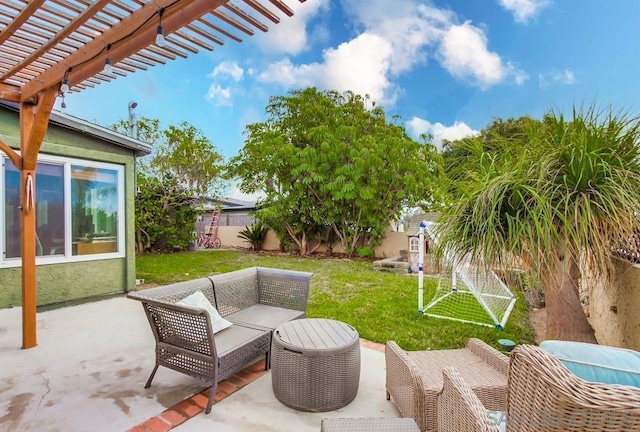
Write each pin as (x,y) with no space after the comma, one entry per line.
(414,223)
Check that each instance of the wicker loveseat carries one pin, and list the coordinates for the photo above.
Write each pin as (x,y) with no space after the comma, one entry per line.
(414,378)
(255,300)
(542,395)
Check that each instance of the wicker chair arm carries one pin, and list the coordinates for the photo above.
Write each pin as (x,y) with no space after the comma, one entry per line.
(490,355)
(460,410)
(404,383)
(184,327)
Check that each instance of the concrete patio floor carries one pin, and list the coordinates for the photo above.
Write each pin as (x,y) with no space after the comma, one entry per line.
(92,361)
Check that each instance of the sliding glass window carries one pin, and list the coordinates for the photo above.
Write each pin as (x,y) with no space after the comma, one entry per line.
(50,229)
(79,210)
(94,203)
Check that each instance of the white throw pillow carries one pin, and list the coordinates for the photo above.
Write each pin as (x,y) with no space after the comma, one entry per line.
(198,300)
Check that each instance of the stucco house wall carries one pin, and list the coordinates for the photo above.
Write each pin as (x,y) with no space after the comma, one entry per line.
(614,313)
(61,282)
(390,247)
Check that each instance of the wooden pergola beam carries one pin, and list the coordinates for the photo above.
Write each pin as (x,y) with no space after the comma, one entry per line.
(30,146)
(135,33)
(9,92)
(66,31)
(20,19)
(11,154)
(283,7)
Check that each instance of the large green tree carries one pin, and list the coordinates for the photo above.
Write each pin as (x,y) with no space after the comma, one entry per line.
(183,152)
(324,159)
(183,169)
(190,158)
(559,196)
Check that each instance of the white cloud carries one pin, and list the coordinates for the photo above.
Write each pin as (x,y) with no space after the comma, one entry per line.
(519,76)
(286,73)
(418,126)
(464,53)
(408,26)
(290,35)
(565,77)
(523,10)
(394,38)
(223,72)
(360,65)
(219,95)
(228,69)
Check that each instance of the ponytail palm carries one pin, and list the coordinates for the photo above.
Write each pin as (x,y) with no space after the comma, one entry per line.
(558,198)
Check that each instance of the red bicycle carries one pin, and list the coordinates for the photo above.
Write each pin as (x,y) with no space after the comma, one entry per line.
(209,239)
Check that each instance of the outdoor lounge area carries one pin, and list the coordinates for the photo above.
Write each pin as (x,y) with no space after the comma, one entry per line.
(342,124)
(89,372)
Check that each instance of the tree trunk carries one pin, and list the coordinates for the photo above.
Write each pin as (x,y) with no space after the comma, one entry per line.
(303,244)
(316,245)
(565,317)
(293,236)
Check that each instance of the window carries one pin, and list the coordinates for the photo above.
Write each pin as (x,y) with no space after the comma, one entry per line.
(94,215)
(49,210)
(79,210)
(413,244)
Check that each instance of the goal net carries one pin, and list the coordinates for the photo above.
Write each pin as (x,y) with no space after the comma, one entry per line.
(470,293)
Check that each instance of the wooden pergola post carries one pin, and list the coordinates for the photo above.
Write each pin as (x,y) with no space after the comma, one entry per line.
(34,120)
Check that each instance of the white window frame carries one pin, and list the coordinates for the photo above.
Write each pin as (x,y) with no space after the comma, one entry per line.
(414,244)
(68,244)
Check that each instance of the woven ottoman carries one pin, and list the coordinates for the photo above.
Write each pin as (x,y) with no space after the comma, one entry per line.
(369,425)
(315,364)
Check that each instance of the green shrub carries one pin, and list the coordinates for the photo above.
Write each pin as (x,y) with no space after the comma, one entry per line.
(366,252)
(254,235)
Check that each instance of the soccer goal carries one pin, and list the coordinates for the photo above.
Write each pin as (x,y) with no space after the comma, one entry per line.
(469,293)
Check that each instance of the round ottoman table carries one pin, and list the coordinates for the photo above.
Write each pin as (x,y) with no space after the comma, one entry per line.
(315,364)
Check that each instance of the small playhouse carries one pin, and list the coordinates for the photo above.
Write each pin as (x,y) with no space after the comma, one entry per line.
(413,245)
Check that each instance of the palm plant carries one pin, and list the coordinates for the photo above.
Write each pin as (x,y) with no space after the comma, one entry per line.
(559,204)
(255,234)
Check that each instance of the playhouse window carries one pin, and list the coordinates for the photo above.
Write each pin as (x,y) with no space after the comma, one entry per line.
(413,244)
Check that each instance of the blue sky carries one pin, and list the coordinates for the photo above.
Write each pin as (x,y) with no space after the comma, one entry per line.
(445,67)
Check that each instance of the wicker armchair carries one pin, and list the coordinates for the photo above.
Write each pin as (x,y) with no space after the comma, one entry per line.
(543,395)
(414,378)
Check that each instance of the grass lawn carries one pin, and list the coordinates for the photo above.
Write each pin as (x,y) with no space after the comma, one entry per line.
(381,306)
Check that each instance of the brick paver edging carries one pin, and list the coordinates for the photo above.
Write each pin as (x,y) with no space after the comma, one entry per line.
(189,408)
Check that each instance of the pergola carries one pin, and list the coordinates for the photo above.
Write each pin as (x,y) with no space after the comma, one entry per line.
(50,47)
